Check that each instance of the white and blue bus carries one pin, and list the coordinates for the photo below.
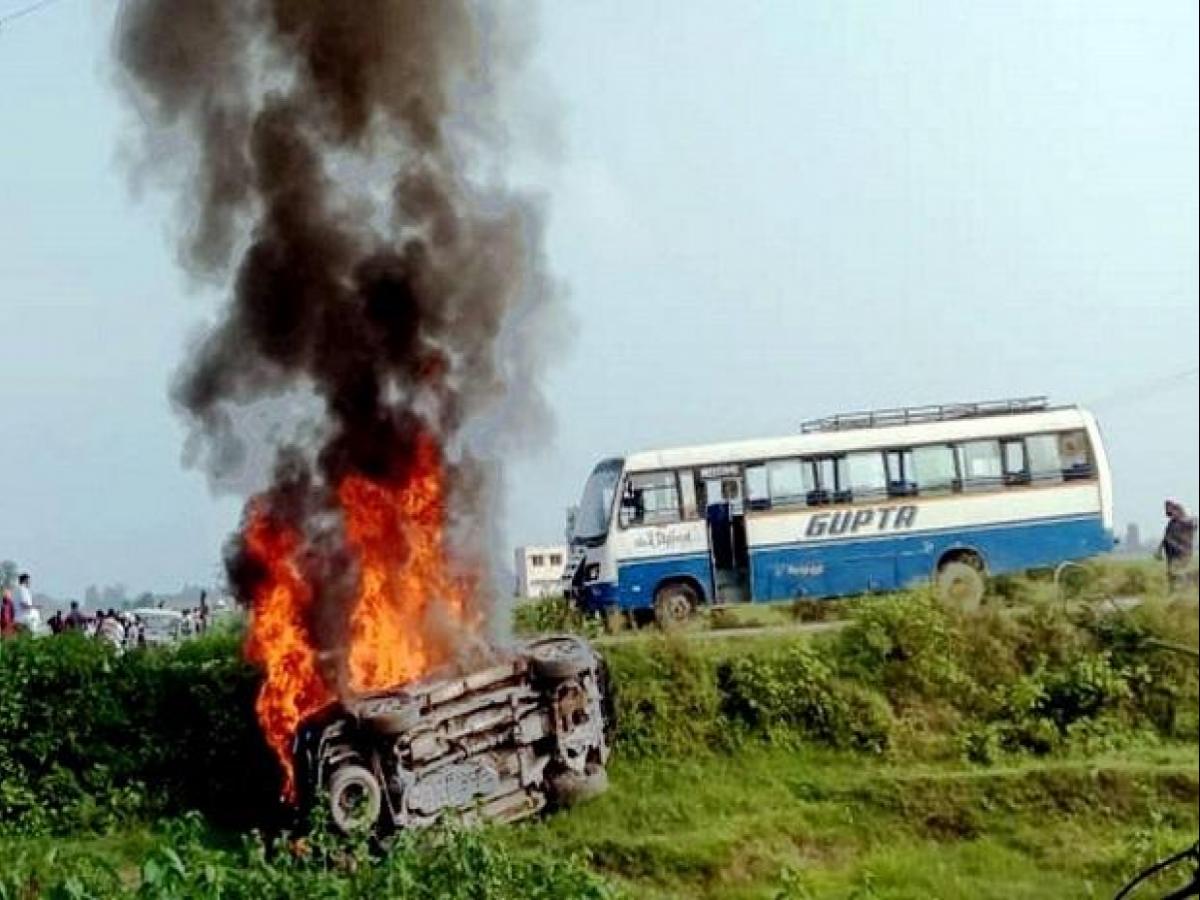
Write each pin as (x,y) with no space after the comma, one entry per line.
(854,503)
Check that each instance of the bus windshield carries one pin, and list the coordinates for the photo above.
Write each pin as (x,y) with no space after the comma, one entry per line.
(591,521)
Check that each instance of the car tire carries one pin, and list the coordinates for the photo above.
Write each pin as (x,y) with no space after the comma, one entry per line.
(571,788)
(560,658)
(674,605)
(960,586)
(355,799)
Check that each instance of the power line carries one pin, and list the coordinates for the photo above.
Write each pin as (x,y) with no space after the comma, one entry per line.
(24,11)
(1139,390)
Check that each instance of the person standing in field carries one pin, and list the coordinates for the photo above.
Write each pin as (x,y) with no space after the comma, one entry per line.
(1178,544)
(8,613)
(75,620)
(28,616)
(111,629)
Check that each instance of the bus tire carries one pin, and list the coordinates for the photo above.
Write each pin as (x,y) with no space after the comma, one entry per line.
(960,586)
(673,605)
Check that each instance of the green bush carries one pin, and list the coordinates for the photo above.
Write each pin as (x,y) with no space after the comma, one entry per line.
(1027,587)
(1147,643)
(89,738)
(552,615)
(795,692)
(907,646)
(667,698)
(810,610)
(1081,690)
(1141,578)
(676,698)
(424,866)
(1040,681)
(1091,581)
(1047,710)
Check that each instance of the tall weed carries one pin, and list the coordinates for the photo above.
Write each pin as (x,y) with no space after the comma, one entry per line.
(424,866)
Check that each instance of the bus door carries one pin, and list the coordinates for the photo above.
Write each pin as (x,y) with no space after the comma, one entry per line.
(721,496)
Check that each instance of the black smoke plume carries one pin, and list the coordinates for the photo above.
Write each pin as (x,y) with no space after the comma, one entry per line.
(339,166)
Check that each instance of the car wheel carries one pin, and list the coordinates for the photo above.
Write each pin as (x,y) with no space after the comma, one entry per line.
(960,586)
(355,799)
(558,659)
(673,605)
(571,788)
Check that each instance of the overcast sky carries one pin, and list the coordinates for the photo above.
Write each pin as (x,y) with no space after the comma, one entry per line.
(762,212)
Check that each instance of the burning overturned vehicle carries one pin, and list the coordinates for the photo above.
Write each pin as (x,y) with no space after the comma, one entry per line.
(500,743)
(365,379)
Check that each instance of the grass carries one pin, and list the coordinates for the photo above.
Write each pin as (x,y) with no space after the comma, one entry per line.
(1092,581)
(771,823)
(726,781)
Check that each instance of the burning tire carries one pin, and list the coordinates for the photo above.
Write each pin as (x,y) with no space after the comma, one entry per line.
(497,743)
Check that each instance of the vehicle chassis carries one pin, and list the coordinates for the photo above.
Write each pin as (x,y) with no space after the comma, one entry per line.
(500,743)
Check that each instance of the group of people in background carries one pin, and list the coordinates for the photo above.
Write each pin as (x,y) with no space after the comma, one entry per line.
(123,629)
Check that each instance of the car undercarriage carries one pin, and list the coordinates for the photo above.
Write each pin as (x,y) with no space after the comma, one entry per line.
(496,744)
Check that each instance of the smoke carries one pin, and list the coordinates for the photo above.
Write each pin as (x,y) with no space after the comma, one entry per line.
(339,167)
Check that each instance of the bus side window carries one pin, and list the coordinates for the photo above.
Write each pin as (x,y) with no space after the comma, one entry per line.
(1016,466)
(1045,462)
(788,482)
(650,498)
(630,509)
(757,496)
(1076,455)
(822,480)
(900,474)
(866,476)
(979,465)
(839,483)
(687,494)
(934,470)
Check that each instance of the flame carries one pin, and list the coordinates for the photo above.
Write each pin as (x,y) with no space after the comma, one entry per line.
(407,607)
(278,641)
(398,536)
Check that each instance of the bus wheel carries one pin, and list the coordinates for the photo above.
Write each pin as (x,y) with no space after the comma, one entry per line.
(960,586)
(673,605)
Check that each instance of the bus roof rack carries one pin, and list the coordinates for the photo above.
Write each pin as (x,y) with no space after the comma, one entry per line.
(909,415)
